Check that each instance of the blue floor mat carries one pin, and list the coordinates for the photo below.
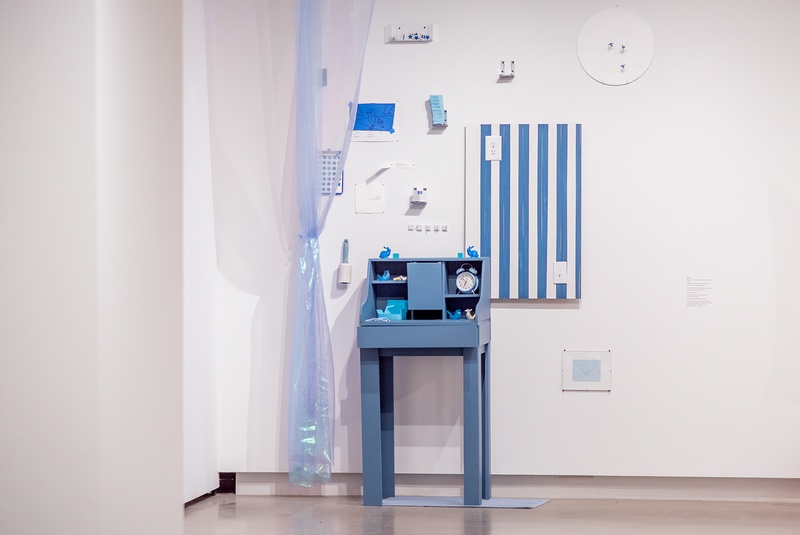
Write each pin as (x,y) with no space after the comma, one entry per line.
(458,501)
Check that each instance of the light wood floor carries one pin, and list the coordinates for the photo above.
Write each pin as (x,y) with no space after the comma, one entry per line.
(228,514)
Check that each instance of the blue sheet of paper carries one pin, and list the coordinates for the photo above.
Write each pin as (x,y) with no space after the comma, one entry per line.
(376,117)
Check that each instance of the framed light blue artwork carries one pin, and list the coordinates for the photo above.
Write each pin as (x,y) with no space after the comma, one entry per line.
(586,371)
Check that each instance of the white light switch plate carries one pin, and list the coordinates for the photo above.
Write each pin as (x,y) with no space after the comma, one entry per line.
(560,272)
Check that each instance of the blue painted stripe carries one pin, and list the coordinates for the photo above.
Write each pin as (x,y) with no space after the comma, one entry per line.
(578,208)
(541,223)
(505,213)
(561,202)
(486,195)
(524,216)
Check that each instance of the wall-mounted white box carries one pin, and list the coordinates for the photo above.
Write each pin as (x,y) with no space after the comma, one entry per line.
(408,33)
(419,196)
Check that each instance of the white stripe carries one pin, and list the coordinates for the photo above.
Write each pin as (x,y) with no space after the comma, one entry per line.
(513,256)
(495,222)
(551,208)
(571,211)
(533,217)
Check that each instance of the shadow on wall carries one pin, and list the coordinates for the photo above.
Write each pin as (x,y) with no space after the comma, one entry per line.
(257,260)
(428,392)
(343,334)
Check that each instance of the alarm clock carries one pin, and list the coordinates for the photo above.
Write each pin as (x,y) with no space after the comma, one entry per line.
(466,279)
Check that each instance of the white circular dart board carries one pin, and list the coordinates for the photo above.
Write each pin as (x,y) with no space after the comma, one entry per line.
(616,46)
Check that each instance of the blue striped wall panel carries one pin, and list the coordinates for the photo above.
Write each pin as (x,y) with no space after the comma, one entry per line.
(524,212)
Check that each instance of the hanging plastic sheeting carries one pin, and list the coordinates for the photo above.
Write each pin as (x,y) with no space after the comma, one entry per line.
(331,39)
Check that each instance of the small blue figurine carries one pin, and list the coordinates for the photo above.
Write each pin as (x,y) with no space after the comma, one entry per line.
(386,252)
(471,252)
(454,315)
(385,276)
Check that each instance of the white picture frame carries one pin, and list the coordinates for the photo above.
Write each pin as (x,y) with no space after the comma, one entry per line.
(588,371)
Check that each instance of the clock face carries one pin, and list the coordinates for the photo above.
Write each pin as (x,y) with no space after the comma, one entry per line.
(466,282)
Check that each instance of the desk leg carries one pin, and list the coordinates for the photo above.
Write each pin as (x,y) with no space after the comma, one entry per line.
(473,487)
(486,428)
(371,426)
(387,425)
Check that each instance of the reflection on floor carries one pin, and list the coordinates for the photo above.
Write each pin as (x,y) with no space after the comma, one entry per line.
(228,514)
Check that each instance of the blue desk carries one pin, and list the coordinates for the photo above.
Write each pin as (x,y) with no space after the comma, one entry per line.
(438,337)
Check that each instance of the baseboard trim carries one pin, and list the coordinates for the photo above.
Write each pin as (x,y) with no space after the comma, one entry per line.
(200,498)
(553,487)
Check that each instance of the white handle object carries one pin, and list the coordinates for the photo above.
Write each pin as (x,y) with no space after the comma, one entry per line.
(345,273)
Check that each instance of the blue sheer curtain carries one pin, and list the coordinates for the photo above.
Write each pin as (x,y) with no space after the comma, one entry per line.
(331,39)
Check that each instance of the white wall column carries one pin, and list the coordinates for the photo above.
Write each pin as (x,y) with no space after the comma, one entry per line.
(90,281)
(48,272)
(139,192)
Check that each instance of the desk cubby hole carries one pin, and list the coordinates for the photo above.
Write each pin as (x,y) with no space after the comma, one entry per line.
(462,302)
(394,267)
(451,269)
(426,314)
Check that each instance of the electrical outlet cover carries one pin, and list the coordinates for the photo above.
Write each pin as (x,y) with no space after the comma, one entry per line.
(494,148)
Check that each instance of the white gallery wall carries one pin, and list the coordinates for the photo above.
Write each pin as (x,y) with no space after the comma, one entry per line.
(90,281)
(689,172)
